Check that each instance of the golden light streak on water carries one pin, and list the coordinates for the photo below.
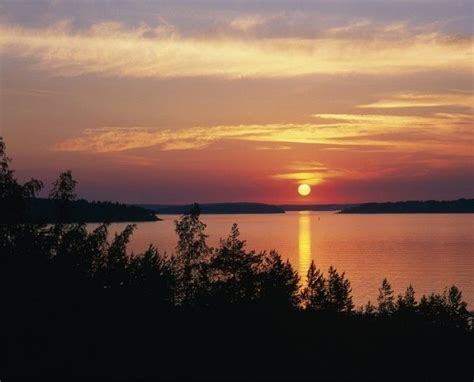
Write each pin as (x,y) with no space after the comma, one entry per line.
(304,244)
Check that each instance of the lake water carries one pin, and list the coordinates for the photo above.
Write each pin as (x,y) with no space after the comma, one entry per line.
(430,251)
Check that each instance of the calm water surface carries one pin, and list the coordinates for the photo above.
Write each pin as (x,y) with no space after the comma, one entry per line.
(430,251)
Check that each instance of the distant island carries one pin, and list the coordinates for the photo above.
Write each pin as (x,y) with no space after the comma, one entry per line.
(459,206)
(315,207)
(215,208)
(45,211)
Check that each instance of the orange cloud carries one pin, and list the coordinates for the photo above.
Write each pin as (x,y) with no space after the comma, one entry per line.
(110,49)
(408,100)
(449,132)
(312,173)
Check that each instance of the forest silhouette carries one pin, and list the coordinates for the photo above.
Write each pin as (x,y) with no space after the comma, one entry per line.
(76,303)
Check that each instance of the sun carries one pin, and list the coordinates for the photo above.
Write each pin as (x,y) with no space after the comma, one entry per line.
(304,189)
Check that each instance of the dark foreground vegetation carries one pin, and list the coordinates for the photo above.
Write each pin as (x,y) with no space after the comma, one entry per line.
(415,206)
(77,304)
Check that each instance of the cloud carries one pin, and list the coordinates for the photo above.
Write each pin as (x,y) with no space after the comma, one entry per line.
(311,178)
(449,132)
(111,49)
(249,22)
(409,100)
(312,173)
(272,147)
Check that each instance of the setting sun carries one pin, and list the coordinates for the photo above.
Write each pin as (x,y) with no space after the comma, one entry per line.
(304,189)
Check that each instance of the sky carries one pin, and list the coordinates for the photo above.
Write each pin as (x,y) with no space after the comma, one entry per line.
(220,101)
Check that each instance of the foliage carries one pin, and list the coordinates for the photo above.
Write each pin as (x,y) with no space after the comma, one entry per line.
(280,283)
(331,295)
(386,300)
(314,295)
(339,290)
(234,272)
(64,188)
(191,263)
(446,309)
(12,193)
(407,302)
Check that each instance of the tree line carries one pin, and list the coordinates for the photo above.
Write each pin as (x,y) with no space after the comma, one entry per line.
(53,270)
(197,275)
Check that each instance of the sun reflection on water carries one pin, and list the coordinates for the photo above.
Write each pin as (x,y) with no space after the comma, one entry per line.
(304,244)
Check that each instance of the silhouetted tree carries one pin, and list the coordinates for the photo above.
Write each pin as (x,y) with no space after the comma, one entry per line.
(13,195)
(434,308)
(446,309)
(338,292)
(280,282)
(64,188)
(72,252)
(314,295)
(192,260)
(369,308)
(386,300)
(63,193)
(234,271)
(457,308)
(152,277)
(406,302)
(114,272)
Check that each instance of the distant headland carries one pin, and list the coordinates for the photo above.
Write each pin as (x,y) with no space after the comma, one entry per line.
(315,207)
(215,208)
(458,206)
(428,206)
(45,211)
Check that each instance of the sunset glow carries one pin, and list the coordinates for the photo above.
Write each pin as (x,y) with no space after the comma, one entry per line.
(161,103)
(281,189)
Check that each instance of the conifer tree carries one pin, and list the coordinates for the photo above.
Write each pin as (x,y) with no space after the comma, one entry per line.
(386,300)
(314,294)
(338,291)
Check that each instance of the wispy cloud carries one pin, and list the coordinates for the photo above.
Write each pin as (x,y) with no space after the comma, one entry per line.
(312,173)
(249,22)
(409,100)
(388,132)
(110,139)
(111,49)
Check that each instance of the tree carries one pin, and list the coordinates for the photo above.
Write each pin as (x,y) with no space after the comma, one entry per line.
(151,277)
(64,188)
(457,308)
(234,271)
(314,295)
(192,259)
(407,302)
(63,193)
(386,300)
(280,282)
(369,308)
(13,195)
(338,291)
(114,272)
